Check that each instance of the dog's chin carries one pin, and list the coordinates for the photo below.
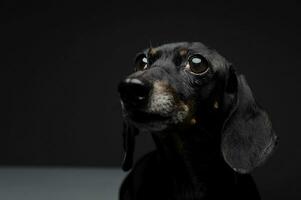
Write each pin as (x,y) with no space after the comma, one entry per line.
(149,121)
(145,117)
(153,126)
(155,122)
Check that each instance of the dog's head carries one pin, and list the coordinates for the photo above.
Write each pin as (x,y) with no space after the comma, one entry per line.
(183,85)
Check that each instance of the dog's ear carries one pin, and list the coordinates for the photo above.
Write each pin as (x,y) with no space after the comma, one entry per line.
(129,133)
(247,135)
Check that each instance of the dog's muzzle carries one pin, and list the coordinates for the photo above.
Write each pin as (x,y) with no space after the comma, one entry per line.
(150,104)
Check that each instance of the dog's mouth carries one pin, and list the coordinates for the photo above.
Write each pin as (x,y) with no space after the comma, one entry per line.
(143,117)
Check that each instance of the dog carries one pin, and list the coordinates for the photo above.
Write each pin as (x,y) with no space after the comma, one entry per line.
(209,131)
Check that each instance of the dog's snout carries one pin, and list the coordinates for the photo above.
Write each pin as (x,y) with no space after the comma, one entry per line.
(134,92)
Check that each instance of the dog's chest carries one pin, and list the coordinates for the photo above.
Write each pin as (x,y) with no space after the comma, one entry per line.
(183,190)
(172,188)
(178,183)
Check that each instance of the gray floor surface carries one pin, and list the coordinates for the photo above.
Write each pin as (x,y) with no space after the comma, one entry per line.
(17,183)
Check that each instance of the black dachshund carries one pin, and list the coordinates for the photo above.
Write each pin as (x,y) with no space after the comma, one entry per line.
(208,129)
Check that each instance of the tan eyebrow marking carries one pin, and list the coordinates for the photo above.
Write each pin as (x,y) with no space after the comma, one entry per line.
(152,51)
(183,52)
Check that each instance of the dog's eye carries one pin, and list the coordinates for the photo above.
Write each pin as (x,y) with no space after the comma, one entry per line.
(141,62)
(198,64)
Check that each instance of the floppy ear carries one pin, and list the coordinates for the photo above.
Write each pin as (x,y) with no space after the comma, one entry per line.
(247,135)
(129,133)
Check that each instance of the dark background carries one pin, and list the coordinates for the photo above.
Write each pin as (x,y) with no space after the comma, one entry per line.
(61,63)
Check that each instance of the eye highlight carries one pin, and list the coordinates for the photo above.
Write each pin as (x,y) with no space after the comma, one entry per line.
(197,64)
(141,62)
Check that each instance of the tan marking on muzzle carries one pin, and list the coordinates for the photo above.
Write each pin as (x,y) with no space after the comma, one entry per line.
(165,101)
(161,87)
(162,99)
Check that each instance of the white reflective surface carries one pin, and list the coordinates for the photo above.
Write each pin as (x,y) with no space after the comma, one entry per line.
(28,183)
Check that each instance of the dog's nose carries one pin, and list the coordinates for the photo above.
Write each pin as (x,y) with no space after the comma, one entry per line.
(134,92)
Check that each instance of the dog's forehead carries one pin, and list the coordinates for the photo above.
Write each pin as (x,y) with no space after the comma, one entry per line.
(171,48)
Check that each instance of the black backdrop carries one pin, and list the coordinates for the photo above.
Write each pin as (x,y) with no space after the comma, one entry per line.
(61,62)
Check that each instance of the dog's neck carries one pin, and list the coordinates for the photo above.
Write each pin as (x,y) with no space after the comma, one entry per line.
(194,150)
